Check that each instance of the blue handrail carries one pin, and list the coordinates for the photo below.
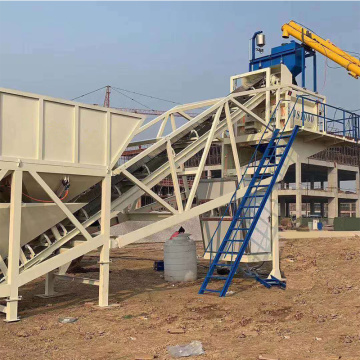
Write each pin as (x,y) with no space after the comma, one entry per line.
(234,198)
(347,124)
(265,168)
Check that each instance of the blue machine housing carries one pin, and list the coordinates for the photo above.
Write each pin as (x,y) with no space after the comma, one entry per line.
(287,54)
(291,54)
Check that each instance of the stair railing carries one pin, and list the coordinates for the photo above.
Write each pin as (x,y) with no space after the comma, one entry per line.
(277,142)
(234,199)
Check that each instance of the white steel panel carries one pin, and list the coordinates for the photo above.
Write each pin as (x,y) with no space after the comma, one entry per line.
(260,241)
(93,137)
(19,125)
(58,138)
(213,188)
(43,130)
(310,119)
(261,238)
(119,137)
(36,218)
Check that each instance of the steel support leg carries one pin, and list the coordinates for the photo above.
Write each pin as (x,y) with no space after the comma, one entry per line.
(105,249)
(275,234)
(49,284)
(14,246)
(298,192)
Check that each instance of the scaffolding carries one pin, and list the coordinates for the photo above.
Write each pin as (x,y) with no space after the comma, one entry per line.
(345,154)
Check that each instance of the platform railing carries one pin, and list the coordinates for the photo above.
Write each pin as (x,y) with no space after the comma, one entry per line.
(333,120)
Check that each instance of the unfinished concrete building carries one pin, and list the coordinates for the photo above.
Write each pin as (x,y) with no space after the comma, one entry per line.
(325,185)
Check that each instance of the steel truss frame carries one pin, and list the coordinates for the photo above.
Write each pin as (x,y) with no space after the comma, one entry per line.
(15,278)
(224,114)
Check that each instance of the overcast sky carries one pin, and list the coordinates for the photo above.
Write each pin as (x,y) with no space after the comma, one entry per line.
(179,51)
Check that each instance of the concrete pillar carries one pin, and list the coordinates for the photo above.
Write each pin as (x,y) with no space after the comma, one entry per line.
(298,188)
(282,208)
(333,207)
(312,207)
(312,182)
(322,209)
(333,179)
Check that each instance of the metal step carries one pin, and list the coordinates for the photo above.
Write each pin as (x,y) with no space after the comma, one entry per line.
(283,137)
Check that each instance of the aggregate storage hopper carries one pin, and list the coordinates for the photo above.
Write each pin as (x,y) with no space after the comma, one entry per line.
(51,151)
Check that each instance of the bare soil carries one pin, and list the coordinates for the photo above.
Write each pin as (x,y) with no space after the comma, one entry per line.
(316,317)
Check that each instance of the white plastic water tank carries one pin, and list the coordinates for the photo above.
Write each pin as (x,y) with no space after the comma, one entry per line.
(180,259)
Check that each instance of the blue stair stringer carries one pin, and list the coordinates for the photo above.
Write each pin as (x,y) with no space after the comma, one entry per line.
(239,233)
(272,281)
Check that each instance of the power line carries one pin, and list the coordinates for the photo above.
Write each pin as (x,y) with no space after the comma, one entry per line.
(119,90)
(78,97)
(149,96)
(353,52)
(333,67)
(138,102)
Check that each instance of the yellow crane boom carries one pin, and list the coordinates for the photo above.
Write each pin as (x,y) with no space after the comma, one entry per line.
(325,47)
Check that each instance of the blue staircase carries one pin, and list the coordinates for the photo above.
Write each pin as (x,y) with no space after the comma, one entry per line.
(248,212)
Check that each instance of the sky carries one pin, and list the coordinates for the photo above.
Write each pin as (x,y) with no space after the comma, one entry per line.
(181,51)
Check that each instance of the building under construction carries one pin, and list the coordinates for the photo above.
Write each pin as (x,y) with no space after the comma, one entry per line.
(326,185)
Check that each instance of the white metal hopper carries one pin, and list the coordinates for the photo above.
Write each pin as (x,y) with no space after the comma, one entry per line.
(60,139)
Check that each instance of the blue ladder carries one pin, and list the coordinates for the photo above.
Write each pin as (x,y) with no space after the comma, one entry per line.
(249,211)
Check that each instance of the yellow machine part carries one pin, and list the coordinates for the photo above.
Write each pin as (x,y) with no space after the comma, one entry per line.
(324,47)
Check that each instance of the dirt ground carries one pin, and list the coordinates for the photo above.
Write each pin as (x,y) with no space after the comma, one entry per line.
(316,317)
